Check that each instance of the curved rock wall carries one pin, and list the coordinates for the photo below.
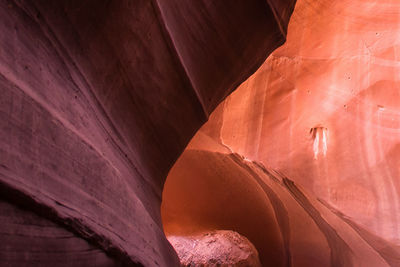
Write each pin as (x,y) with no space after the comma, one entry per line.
(28,239)
(323,111)
(99,98)
(209,190)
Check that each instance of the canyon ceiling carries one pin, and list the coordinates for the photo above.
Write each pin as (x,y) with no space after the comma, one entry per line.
(119,126)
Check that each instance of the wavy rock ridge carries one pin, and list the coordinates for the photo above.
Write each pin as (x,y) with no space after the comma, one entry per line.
(322,114)
(208,190)
(98,99)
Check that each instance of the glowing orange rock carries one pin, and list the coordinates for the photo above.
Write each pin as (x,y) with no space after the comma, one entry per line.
(323,110)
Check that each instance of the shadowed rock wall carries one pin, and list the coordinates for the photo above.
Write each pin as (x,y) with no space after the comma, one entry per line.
(99,98)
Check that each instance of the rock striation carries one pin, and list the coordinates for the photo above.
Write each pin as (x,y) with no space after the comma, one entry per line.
(323,109)
(208,190)
(98,99)
(310,142)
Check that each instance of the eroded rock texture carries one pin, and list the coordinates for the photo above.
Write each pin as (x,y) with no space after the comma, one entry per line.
(30,240)
(208,190)
(322,116)
(98,99)
(216,248)
(330,101)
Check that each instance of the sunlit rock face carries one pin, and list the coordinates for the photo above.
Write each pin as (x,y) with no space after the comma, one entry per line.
(98,99)
(324,109)
(210,188)
(322,116)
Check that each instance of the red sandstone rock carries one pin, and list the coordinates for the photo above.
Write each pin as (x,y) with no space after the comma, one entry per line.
(216,248)
(30,240)
(99,98)
(209,190)
(323,112)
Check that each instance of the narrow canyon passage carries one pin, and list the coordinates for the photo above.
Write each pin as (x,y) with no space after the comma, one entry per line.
(211,188)
(98,98)
(322,115)
(136,132)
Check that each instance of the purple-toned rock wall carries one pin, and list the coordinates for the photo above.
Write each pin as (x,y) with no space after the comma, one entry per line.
(98,99)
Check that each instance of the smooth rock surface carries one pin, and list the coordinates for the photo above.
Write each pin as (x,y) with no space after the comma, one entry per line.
(324,109)
(322,115)
(98,99)
(217,248)
(289,226)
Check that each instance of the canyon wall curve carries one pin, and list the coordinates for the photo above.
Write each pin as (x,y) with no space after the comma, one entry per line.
(98,100)
(319,125)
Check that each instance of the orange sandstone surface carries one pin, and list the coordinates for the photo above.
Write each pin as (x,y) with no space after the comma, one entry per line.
(303,158)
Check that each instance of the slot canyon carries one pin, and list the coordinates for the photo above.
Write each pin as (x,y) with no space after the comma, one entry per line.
(200,133)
